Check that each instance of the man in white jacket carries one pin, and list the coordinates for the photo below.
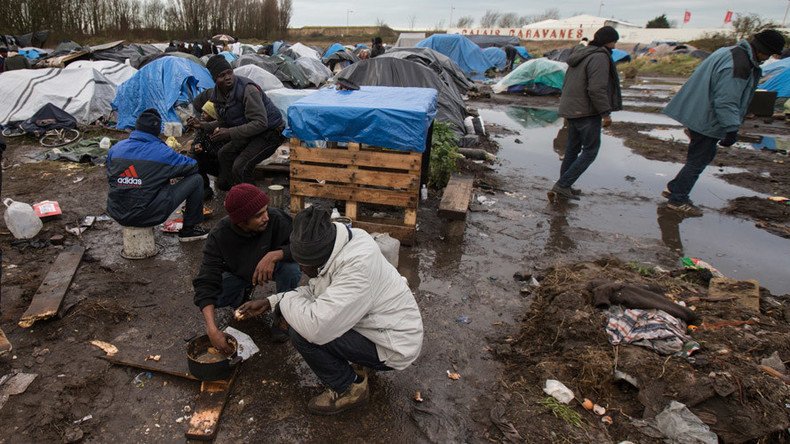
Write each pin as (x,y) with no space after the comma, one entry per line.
(356,309)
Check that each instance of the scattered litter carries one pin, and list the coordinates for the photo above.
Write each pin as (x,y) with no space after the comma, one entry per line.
(678,424)
(76,230)
(78,179)
(141,378)
(173,225)
(598,410)
(103,218)
(454,376)
(418,396)
(622,376)
(154,358)
(696,263)
(14,385)
(180,419)
(587,404)
(780,199)
(241,402)
(608,421)
(246,347)
(85,418)
(88,221)
(558,391)
(463,319)
(108,348)
(173,143)
(187,409)
(654,329)
(47,208)
(533,282)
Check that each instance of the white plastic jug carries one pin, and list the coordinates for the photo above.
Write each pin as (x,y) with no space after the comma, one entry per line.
(105,143)
(21,220)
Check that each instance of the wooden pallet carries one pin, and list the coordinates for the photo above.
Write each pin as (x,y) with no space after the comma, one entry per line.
(360,175)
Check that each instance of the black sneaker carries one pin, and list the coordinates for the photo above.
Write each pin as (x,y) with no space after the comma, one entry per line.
(687,209)
(558,191)
(195,233)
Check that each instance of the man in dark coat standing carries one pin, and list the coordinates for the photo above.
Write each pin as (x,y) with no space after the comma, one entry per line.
(589,95)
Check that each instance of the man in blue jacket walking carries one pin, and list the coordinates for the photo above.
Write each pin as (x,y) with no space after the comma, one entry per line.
(712,105)
(140,170)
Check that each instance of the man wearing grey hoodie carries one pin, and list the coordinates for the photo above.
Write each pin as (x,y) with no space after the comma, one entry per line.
(589,95)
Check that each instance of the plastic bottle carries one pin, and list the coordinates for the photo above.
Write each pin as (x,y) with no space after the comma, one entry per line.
(105,143)
(21,220)
(335,213)
(424,193)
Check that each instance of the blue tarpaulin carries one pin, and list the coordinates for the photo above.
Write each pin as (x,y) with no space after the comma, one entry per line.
(229,56)
(522,51)
(333,49)
(468,56)
(496,57)
(388,117)
(31,53)
(618,55)
(777,78)
(160,84)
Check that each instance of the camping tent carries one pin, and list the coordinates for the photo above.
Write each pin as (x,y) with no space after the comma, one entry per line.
(285,69)
(559,55)
(409,39)
(317,73)
(776,77)
(182,55)
(161,84)
(618,56)
(260,76)
(496,57)
(257,60)
(533,72)
(461,50)
(283,98)
(298,50)
(84,93)
(115,72)
(438,62)
(134,53)
(388,71)
(489,41)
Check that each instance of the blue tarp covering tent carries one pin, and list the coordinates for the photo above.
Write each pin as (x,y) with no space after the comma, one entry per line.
(496,57)
(161,84)
(333,49)
(522,51)
(276,46)
(229,56)
(618,55)
(30,53)
(468,56)
(388,117)
(776,77)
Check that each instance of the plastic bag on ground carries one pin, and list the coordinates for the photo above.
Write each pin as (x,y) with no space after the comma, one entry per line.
(679,425)
(558,391)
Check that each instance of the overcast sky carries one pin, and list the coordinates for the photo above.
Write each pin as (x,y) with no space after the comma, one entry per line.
(428,13)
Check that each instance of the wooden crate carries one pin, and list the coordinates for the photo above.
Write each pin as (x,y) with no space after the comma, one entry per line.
(360,175)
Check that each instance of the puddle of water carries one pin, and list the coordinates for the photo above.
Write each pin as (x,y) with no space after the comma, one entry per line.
(649,118)
(622,199)
(643,94)
(644,103)
(657,87)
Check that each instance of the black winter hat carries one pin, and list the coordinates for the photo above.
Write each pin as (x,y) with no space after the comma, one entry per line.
(313,237)
(769,42)
(605,35)
(216,65)
(149,121)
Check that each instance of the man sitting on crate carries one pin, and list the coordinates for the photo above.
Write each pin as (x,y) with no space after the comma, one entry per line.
(140,171)
(248,247)
(355,309)
(248,124)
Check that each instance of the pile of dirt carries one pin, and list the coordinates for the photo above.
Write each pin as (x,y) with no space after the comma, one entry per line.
(562,337)
(771,216)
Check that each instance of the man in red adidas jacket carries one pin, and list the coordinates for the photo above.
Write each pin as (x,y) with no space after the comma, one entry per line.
(139,170)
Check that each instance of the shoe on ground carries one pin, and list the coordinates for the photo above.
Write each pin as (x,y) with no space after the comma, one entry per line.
(666,193)
(563,192)
(687,209)
(330,402)
(191,234)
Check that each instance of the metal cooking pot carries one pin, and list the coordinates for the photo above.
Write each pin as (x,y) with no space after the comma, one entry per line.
(210,371)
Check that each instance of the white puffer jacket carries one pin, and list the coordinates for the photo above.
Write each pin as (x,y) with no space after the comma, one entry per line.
(357,289)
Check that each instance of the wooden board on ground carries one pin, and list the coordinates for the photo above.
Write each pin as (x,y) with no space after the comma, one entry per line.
(5,346)
(746,293)
(46,302)
(174,366)
(456,197)
(204,424)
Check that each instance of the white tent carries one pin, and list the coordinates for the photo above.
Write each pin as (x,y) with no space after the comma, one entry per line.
(283,98)
(317,72)
(305,51)
(260,76)
(409,39)
(115,72)
(84,93)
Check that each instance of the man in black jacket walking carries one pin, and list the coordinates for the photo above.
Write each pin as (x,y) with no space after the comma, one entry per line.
(248,247)
(589,95)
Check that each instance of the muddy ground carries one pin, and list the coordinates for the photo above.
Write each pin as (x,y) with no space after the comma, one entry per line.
(478,318)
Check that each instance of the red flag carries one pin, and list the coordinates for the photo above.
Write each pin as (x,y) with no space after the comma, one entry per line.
(728,17)
(687,17)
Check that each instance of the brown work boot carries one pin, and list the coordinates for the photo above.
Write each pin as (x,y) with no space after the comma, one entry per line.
(330,402)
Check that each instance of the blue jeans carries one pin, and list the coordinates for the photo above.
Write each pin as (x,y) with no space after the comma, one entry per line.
(235,290)
(189,189)
(702,150)
(330,362)
(584,136)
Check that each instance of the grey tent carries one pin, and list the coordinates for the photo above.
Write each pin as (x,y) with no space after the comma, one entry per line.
(134,53)
(440,63)
(285,69)
(66,47)
(36,39)
(559,55)
(409,39)
(260,61)
(390,71)
(316,71)
(498,41)
(150,58)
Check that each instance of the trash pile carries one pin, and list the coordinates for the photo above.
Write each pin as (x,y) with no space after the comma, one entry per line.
(613,351)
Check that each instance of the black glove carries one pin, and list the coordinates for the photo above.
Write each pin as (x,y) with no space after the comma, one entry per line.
(729,139)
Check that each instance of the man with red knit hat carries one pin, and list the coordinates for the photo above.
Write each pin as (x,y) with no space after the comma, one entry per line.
(249,247)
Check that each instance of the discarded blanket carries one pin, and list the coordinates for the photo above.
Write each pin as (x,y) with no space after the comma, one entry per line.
(84,151)
(654,329)
(606,293)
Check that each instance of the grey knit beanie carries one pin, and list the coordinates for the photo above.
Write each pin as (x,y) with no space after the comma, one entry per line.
(313,237)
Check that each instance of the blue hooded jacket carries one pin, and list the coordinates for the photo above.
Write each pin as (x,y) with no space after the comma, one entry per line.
(715,98)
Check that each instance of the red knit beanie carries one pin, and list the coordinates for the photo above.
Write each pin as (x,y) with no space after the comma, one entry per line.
(243,201)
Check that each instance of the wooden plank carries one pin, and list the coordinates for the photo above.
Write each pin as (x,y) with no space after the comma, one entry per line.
(389,160)
(5,346)
(353,175)
(407,235)
(410,218)
(169,366)
(46,302)
(351,193)
(351,206)
(747,293)
(456,197)
(204,424)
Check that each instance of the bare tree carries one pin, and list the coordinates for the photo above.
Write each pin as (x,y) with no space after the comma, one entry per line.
(439,25)
(490,18)
(747,24)
(466,21)
(412,21)
(286,13)
(508,20)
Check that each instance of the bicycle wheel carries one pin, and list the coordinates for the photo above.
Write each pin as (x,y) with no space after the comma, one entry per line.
(13,132)
(59,137)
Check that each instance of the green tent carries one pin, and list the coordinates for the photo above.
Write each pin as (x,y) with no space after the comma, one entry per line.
(543,71)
